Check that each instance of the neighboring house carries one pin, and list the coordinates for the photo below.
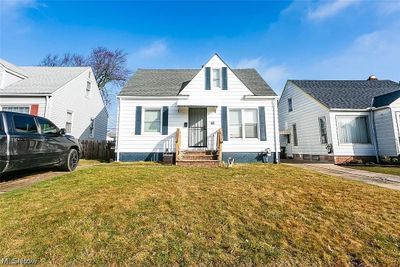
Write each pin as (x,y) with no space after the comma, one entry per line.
(198,102)
(68,96)
(340,120)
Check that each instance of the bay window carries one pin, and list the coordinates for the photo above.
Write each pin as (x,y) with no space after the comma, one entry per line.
(353,130)
(243,123)
(152,120)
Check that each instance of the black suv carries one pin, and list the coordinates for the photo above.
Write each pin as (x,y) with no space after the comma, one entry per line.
(28,141)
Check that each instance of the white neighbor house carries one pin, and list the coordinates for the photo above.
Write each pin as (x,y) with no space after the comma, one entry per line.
(157,102)
(68,96)
(341,120)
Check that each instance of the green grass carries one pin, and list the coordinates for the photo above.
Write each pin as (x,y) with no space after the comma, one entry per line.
(132,214)
(386,170)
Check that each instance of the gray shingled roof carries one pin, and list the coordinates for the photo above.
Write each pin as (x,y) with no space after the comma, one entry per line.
(42,80)
(169,82)
(346,94)
(386,100)
(9,66)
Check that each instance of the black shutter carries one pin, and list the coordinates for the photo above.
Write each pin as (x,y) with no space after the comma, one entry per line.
(261,118)
(208,78)
(138,122)
(224,122)
(224,78)
(165,121)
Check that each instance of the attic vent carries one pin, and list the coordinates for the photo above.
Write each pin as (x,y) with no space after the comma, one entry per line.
(372,78)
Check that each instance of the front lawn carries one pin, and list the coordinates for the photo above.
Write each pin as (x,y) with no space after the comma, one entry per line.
(378,169)
(132,214)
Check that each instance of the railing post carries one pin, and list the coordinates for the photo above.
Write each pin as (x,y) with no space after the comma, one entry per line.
(177,143)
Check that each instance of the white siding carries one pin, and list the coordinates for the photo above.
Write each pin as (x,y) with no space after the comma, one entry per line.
(395,108)
(24,101)
(8,78)
(305,114)
(385,132)
(351,149)
(231,98)
(72,97)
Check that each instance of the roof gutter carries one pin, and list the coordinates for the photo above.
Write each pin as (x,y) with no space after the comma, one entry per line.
(154,97)
(5,95)
(259,97)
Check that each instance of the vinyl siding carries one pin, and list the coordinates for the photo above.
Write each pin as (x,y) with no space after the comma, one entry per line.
(395,109)
(305,114)
(72,97)
(25,101)
(385,132)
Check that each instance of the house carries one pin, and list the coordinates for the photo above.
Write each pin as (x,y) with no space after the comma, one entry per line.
(215,109)
(340,121)
(68,96)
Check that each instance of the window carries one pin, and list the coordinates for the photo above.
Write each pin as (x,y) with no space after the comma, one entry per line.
(353,130)
(20,109)
(235,123)
(295,141)
(250,123)
(1,124)
(47,127)
(322,130)
(217,78)
(68,123)
(91,128)
(88,88)
(152,120)
(243,122)
(25,124)
(290,104)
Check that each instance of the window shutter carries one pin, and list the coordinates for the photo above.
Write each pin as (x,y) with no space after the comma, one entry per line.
(34,109)
(261,118)
(224,78)
(165,121)
(138,122)
(224,122)
(208,78)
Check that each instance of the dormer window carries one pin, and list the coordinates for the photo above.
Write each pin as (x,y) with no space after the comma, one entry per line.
(217,78)
(88,88)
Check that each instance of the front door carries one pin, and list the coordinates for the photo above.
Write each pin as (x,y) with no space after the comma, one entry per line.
(197,127)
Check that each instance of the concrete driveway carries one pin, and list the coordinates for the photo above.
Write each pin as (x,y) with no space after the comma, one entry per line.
(379,179)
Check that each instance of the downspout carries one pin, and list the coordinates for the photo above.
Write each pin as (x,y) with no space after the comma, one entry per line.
(372,121)
(46,109)
(117,131)
(276,131)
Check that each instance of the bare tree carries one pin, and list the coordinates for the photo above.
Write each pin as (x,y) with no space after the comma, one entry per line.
(109,67)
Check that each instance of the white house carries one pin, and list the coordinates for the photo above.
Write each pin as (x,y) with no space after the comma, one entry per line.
(341,120)
(68,96)
(155,103)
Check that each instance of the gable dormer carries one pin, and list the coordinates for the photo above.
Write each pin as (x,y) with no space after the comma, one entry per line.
(215,77)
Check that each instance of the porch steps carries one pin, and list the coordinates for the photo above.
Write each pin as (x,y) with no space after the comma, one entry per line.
(198,159)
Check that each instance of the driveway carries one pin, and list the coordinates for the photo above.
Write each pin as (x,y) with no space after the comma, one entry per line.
(379,179)
(20,179)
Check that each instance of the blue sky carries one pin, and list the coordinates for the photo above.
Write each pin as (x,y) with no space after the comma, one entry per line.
(339,39)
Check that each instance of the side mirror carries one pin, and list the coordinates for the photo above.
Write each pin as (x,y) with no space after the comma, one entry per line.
(62,131)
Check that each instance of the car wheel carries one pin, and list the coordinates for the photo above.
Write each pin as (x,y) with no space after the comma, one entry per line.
(71,161)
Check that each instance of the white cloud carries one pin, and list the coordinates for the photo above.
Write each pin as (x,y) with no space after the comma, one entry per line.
(154,49)
(249,63)
(276,77)
(330,8)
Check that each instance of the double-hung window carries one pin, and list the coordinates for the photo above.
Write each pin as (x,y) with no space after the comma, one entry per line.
(322,130)
(68,122)
(152,121)
(235,123)
(91,128)
(88,88)
(19,109)
(353,130)
(243,122)
(290,105)
(216,78)
(295,140)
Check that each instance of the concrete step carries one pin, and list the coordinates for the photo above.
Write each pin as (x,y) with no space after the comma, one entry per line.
(199,157)
(198,163)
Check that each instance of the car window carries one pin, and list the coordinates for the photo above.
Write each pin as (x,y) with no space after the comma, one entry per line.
(1,124)
(24,124)
(47,127)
